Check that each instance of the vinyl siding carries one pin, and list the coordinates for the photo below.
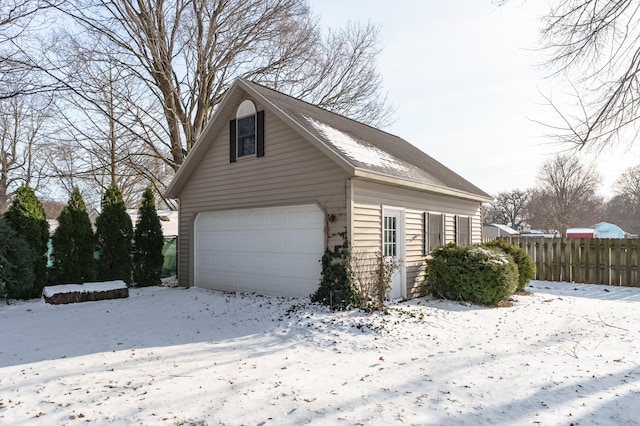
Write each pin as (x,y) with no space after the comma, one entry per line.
(368,201)
(449,228)
(292,172)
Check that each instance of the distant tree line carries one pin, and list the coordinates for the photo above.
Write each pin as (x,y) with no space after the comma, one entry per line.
(565,197)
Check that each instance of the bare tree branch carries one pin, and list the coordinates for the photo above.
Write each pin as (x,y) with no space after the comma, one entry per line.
(596,45)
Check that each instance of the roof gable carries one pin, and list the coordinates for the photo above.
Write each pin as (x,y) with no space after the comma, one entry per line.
(353,145)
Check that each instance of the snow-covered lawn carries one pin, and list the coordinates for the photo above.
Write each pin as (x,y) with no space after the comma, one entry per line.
(567,354)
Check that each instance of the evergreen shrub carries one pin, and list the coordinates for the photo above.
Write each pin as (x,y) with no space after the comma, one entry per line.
(16,264)
(147,243)
(526,267)
(27,218)
(114,234)
(471,273)
(73,244)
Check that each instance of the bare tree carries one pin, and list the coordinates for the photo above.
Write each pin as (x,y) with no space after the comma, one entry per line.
(187,53)
(619,211)
(596,45)
(628,185)
(624,208)
(509,208)
(565,196)
(100,123)
(21,31)
(22,159)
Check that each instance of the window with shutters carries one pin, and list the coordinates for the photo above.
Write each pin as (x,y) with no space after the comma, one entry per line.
(246,132)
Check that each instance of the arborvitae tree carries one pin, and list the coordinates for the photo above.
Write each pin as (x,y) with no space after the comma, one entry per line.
(27,218)
(114,233)
(16,264)
(147,243)
(73,244)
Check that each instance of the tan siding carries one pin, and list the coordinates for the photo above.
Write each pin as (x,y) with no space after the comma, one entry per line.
(476,226)
(414,256)
(291,172)
(369,198)
(449,228)
(367,227)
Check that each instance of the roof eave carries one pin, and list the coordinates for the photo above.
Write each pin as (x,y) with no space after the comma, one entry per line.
(391,180)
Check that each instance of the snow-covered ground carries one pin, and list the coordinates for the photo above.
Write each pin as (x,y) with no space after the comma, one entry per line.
(567,354)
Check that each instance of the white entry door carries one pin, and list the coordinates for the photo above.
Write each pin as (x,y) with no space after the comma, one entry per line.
(393,249)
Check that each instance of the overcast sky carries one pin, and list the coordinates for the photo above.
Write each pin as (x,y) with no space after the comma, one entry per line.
(465,80)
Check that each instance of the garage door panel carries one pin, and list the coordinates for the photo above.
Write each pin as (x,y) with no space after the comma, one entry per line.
(268,250)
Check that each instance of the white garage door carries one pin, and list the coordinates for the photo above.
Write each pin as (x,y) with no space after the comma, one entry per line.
(273,250)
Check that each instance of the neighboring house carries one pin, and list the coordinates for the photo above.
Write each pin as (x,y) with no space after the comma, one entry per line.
(272,180)
(168,221)
(495,230)
(609,230)
(53,225)
(581,233)
(537,233)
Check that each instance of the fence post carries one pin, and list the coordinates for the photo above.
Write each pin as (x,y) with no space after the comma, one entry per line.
(616,278)
(578,253)
(588,255)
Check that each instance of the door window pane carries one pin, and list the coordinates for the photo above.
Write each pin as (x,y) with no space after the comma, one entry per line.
(390,232)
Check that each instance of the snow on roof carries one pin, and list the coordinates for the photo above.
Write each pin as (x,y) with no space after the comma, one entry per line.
(581,230)
(506,229)
(355,150)
(363,154)
(83,288)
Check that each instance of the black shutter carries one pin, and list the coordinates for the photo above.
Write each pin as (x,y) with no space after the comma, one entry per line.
(260,133)
(425,235)
(232,141)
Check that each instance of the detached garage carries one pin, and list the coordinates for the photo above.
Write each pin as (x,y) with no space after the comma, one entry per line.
(274,181)
(273,250)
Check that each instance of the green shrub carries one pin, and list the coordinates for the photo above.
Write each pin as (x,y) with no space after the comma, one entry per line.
(73,245)
(114,234)
(471,273)
(27,218)
(336,285)
(526,267)
(147,243)
(16,264)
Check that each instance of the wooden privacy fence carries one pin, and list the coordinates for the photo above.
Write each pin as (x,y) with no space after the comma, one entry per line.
(583,260)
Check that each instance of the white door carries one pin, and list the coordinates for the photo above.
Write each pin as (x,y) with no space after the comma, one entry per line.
(393,249)
(275,250)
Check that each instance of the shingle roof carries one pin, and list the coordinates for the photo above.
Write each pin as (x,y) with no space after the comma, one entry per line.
(357,146)
(367,148)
